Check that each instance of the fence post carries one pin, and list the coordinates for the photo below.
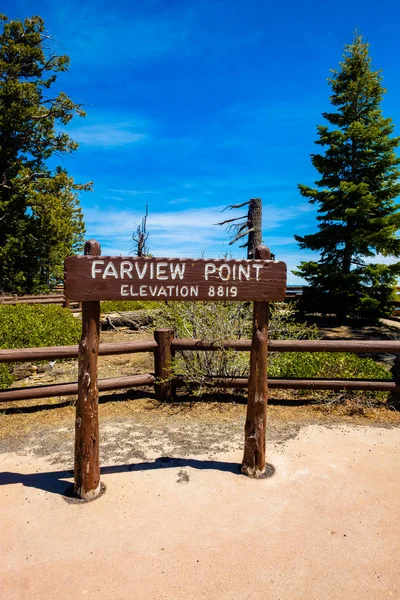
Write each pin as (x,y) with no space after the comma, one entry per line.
(254,463)
(162,365)
(87,461)
(394,398)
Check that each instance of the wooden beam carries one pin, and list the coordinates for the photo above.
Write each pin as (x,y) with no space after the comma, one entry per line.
(107,349)
(163,364)
(380,385)
(87,461)
(254,462)
(71,389)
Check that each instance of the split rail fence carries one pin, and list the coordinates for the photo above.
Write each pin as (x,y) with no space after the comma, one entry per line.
(164,347)
(57,298)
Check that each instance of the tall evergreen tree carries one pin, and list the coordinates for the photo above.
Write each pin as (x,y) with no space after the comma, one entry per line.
(40,218)
(356,193)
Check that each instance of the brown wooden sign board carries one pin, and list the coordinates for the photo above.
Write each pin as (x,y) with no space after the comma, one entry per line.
(91,278)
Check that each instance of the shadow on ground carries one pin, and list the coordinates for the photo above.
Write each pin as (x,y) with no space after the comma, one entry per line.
(54,481)
(181,400)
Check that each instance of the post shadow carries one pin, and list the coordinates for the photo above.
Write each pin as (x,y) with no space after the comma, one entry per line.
(54,481)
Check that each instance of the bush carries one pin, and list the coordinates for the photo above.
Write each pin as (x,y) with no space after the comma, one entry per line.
(209,321)
(6,377)
(33,326)
(110,306)
(218,321)
(329,365)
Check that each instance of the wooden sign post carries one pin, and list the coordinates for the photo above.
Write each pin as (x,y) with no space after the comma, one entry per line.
(87,461)
(91,278)
(254,462)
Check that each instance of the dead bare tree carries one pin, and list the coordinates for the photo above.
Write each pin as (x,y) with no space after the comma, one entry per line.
(249,225)
(140,237)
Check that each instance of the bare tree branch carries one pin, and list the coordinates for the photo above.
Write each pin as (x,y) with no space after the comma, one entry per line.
(230,206)
(230,220)
(240,235)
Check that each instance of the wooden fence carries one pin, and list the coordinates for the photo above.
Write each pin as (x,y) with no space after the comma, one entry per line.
(165,345)
(57,298)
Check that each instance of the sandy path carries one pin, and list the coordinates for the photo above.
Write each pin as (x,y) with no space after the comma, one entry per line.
(325,526)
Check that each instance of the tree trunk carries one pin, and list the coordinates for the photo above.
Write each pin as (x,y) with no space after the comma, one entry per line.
(347,258)
(255,224)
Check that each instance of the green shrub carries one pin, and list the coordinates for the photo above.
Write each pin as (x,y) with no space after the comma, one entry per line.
(33,326)
(329,365)
(6,377)
(110,306)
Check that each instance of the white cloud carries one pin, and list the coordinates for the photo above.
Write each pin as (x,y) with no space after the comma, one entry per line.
(200,219)
(179,201)
(382,260)
(188,233)
(132,192)
(107,135)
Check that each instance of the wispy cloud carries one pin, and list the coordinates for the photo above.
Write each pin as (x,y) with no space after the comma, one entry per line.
(185,233)
(132,192)
(200,218)
(144,31)
(383,260)
(179,201)
(107,135)
(124,34)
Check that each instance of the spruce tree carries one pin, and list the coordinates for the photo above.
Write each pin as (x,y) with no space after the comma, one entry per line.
(359,182)
(40,218)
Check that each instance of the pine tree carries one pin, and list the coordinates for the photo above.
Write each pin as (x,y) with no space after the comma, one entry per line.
(356,193)
(40,218)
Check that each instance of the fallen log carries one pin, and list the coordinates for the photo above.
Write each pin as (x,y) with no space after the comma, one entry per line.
(136,320)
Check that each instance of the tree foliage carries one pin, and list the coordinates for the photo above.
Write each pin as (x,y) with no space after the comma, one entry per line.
(40,218)
(355,195)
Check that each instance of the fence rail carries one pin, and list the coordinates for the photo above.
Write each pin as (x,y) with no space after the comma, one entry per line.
(58,298)
(164,345)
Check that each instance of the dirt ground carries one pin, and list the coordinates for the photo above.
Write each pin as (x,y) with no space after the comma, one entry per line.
(179,522)
(177,519)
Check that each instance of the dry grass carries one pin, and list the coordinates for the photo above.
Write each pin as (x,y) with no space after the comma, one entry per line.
(18,418)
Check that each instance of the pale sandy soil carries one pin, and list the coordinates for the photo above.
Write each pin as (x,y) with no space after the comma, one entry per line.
(177,522)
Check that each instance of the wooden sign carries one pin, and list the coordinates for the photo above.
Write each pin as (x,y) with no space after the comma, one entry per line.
(89,278)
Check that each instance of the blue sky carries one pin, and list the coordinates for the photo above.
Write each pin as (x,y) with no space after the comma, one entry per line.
(194,105)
